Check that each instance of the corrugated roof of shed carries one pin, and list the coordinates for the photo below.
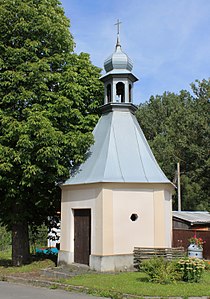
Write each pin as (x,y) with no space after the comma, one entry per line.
(194,217)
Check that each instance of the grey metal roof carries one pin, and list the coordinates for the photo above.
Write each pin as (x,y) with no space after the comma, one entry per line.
(116,73)
(193,216)
(118,63)
(118,60)
(120,153)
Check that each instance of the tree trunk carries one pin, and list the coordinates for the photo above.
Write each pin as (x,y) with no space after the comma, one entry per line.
(20,244)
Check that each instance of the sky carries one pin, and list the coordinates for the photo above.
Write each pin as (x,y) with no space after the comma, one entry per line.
(167,40)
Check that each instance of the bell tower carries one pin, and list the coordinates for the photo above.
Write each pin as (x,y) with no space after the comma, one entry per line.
(118,80)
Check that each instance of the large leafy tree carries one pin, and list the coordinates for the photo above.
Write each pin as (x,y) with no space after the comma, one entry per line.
(177,128)
(48,100)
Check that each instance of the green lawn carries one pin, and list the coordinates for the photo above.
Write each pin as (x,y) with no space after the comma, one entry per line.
(6,255)
(33,267)
(6,265)
(108,285)
(137,284)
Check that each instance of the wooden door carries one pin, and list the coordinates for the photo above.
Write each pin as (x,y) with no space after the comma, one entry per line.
(82,230)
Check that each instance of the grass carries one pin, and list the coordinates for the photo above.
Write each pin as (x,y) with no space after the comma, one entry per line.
(33,267)
(112,285)
(136,283)
(6,267)
(6,255)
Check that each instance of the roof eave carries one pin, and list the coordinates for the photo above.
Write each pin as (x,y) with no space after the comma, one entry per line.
(123,73)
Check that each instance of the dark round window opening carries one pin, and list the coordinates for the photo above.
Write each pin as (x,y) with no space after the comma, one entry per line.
(134,217)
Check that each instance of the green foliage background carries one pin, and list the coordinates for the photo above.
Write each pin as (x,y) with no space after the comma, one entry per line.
(177,128)
(5,239)
(48,101)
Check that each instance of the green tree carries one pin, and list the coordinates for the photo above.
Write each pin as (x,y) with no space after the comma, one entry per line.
(176,126)
(48,100)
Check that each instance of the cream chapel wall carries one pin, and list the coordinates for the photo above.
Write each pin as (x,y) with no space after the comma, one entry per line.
(107,222)
(163,216)
(168,217)
(112,230)
(82,197)
(159,218)
(128,233)
(153,226)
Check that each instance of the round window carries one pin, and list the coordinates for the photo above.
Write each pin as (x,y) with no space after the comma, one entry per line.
(134,217)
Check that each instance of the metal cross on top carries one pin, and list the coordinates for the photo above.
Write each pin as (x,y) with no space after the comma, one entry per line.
(118,26)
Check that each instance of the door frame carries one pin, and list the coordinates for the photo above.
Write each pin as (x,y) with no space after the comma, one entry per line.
(82,235)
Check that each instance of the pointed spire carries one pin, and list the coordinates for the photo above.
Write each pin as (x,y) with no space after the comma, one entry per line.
(118,33)
(118,41)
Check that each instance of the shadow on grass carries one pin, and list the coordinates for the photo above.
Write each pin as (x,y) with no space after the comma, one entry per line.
(42,256)
(7,262)
(142,279)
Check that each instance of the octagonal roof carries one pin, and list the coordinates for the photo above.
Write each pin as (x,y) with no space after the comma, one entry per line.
(120,153)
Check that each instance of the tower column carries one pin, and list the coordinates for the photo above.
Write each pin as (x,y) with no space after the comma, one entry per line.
(126,93)
(114,91)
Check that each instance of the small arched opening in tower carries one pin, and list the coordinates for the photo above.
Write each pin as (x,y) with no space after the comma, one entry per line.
(120,91)
(130,93)
(108,93)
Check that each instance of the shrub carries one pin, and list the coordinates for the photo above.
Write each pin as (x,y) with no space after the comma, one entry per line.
(191,269)
(207,265)
(5,239)
(38,237)
(160,270)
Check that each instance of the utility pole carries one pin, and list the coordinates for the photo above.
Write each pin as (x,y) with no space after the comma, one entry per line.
(179,187)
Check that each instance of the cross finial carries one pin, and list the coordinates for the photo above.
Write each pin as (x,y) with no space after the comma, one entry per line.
(118,26)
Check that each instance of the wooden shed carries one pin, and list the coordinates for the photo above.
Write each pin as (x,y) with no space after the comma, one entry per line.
(188,223)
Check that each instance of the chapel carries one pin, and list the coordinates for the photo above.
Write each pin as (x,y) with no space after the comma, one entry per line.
(119,198)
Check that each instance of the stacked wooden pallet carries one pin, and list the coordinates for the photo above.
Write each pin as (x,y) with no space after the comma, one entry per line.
(141,253)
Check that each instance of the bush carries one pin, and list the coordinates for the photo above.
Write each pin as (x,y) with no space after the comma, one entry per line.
(160,270)
(47,253)
(38,237)
(207,265)
(5,239)
(164,271)
(191,269)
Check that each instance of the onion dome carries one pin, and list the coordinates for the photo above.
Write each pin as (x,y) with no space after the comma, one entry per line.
(118,60)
